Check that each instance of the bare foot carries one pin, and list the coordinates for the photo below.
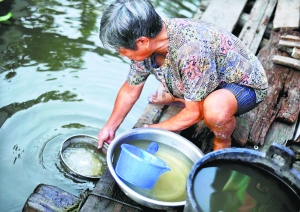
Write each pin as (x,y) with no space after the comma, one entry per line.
(162,97)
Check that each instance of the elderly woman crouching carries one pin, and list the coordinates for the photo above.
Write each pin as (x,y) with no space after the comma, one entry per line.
(200,66)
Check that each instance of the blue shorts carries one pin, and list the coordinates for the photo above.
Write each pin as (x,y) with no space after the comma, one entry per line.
(245,96)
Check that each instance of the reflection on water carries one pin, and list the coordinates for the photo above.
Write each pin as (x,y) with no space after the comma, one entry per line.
(231,186)
(8,110)
(57,81)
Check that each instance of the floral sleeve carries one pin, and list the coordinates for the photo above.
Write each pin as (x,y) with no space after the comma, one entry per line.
(138,72)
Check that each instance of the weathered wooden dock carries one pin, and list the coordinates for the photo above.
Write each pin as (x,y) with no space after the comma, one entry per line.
(261,25)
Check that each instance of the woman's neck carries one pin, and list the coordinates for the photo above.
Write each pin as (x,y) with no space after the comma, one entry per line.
(161,42)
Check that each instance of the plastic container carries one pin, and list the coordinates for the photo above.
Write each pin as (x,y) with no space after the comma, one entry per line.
(139,167)
(239,179)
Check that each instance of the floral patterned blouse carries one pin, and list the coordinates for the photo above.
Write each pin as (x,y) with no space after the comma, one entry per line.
(201,56)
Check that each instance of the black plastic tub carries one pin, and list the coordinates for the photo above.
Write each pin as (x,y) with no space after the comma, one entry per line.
(239,179)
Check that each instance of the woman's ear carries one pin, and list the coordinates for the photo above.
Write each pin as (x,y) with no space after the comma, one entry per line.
(142,43)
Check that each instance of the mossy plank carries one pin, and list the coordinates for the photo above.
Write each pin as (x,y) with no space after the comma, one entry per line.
(260,119)
(108,197)
(169,112)
(49,198)
(280,133)
(151,114)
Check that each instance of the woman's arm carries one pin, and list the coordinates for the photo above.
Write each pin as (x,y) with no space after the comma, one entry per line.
(127,96)
(191,114)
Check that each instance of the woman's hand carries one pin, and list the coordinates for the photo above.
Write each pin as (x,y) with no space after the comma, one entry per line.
(105,135)
(127,96)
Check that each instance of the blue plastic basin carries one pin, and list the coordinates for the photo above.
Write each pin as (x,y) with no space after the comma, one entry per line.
(139,167)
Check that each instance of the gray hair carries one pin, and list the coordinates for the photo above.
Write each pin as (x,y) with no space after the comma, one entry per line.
(124,21)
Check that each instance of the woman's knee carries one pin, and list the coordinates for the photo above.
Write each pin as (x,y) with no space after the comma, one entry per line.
(219,107)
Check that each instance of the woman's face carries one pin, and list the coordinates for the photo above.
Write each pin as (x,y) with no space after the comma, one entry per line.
(137,55)
(141,53)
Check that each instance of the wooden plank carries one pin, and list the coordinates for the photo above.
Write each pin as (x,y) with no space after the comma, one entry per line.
(287,61)
(151,115)
(253,126)
(169,112)
(296,53)
(292,47)
(254,29)
(49,198)
(224,13)
(280,133)
(243,127)
(290,37)
(262,27)
(107,196)
(241,21)
(287,14)
(290,105)
(202,7)
(277,77)
(288,50)
(251,25)
(289,43)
